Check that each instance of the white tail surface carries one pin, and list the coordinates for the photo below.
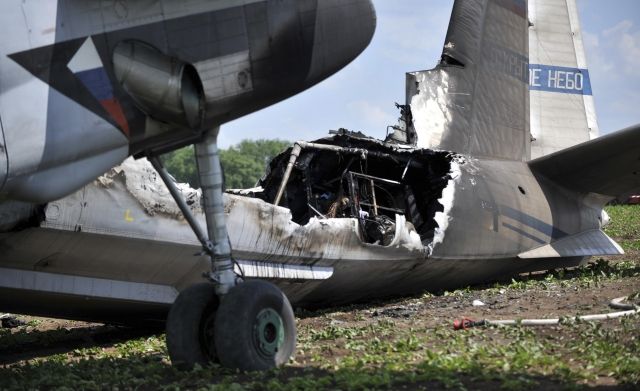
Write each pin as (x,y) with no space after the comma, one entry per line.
(562,108)
(476,100)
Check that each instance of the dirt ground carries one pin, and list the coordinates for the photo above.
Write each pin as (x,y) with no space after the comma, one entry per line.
(499,303)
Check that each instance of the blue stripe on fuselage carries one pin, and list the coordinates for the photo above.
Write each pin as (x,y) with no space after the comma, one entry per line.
(97,82)
(559,79)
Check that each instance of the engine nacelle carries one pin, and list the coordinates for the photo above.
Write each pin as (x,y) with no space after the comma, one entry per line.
(165,88)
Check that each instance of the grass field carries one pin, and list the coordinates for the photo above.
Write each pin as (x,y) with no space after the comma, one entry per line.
(398,344)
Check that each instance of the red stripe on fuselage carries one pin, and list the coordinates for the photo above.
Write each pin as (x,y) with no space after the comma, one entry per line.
(112,106)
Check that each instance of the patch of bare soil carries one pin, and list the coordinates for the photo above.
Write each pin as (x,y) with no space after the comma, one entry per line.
(42,337)
(561,297)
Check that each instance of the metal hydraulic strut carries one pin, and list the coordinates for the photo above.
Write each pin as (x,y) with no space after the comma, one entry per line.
(216,240)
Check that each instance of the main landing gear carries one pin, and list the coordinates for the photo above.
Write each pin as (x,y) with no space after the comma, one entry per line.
(245,325)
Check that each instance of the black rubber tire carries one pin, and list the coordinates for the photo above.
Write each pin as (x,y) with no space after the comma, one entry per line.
(237,321)
(189,327)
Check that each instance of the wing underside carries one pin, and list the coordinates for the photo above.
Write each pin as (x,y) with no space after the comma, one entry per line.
(608,166)
(583,244)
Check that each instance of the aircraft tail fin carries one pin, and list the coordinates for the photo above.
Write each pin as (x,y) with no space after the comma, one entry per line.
(562,108)
(608,166)
(476,100)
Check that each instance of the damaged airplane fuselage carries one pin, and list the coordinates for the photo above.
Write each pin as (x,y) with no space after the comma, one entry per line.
(449,199)
(359,219)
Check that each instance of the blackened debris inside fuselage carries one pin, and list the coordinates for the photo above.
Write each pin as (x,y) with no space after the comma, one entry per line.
(349,175)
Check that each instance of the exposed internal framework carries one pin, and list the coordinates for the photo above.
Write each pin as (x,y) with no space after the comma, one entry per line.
(383,193)
(353,176)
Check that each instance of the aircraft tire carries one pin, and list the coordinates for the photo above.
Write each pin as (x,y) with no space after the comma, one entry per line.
(190,327)
(255,328)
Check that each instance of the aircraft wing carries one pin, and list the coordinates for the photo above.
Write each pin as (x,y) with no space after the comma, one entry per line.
(609,165)
(584,244)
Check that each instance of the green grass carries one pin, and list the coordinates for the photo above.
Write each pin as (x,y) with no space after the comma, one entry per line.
(512,357)
(591,275)
(625,222)
(625,226)
(375,353)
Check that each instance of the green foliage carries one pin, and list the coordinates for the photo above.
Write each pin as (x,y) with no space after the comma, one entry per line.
(590,275)
(629,245)
(243,163)
(182,165)
(625,221)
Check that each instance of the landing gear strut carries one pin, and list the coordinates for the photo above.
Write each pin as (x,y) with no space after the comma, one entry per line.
(244,325)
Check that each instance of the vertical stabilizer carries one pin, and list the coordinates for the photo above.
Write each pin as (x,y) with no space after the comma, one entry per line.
(562,107)
(476,100)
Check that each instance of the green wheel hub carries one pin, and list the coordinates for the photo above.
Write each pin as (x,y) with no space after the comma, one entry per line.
(255,328)
(268,332)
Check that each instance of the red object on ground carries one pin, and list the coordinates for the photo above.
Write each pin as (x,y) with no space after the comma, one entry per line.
(465,323)
(634,200)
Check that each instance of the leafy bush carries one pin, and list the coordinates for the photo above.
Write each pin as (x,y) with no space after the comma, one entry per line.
(243,164)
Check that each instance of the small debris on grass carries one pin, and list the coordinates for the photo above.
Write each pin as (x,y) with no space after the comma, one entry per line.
(8,321)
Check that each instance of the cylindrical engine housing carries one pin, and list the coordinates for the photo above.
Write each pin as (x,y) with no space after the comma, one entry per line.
(164,87)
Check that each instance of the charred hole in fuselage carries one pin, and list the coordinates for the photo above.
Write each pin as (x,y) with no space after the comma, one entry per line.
(372,187)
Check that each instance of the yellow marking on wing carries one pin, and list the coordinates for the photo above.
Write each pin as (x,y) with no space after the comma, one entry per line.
(127,216)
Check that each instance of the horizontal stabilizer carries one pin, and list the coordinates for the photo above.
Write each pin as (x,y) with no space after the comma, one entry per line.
(609,165)
(587,243)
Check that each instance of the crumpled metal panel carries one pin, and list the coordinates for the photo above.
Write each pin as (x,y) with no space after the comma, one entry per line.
(132,202)
(476,101)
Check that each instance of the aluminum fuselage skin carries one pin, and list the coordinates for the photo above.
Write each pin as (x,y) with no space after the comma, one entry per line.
(91,242)
(66,118)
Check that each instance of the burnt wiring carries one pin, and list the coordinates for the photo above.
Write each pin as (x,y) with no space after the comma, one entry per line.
(237,264)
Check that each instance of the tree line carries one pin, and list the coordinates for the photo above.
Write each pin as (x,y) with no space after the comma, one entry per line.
(243,164)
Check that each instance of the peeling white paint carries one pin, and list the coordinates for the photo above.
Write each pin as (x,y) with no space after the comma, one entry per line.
(263,231)
(246,192)
(429,109)
(446,200)
(406,235)
(144,183)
